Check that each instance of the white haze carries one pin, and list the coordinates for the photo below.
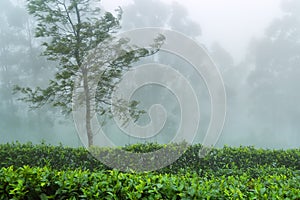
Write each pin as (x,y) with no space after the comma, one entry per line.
(232,23)
(255,44)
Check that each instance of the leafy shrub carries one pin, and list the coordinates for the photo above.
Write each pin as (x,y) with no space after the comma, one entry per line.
(56,157)
(44,183)
(42,171)
(63,158)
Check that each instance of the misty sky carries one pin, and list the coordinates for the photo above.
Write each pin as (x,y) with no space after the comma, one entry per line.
(255,45)
(232,23)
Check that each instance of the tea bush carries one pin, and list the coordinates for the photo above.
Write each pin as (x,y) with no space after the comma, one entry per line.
(44,183)
(42,171)
(62,158)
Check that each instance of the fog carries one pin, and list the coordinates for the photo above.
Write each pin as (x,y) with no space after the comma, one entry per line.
(232,23)
(255,45)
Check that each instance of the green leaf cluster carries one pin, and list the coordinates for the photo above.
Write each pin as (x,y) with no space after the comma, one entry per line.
(45,183)
(223,161)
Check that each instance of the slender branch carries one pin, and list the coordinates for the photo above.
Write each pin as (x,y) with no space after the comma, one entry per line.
(69,18)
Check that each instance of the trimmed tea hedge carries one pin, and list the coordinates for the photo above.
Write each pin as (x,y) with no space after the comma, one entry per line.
(64,158)
(43,183)
(58,157)
(42,171)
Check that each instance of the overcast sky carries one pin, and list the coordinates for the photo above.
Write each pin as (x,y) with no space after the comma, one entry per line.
(230,22)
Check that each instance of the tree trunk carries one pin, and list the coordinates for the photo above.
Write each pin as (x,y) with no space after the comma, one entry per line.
(88,109)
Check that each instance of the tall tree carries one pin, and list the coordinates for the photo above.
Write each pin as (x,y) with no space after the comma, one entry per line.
(71,30)
(274,80)
(18,64)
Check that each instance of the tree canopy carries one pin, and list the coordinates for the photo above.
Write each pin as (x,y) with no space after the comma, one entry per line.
(71,30)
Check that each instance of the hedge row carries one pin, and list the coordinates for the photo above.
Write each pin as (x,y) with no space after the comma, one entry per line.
(63,158)
(42,183)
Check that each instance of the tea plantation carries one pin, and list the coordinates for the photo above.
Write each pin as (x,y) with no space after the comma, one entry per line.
(42,171)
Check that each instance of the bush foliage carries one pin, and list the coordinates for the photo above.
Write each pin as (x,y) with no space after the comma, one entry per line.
(42,171)
(62,158)
(43,183)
